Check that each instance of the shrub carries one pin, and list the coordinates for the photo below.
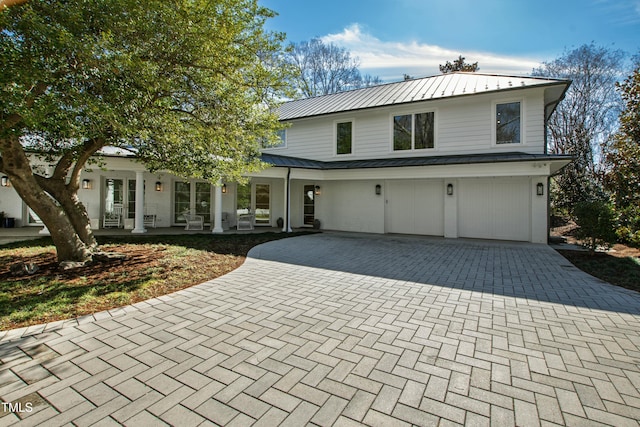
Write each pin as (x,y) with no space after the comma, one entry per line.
(597,224)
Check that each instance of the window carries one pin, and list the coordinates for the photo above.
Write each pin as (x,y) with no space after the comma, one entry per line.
(344,137)
(508,123)
(281,137)
(413,131)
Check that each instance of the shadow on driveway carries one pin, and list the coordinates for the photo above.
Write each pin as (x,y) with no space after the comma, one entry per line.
(513,269)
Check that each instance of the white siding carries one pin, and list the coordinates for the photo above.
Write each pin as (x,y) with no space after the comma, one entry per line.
(463,126)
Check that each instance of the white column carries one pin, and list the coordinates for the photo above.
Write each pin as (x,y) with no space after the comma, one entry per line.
(139,221)
(217,214)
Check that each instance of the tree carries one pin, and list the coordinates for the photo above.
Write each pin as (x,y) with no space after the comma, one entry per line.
(458,65)
(322,69)
(596,220)
(190,86)
(584,120)
(623,160)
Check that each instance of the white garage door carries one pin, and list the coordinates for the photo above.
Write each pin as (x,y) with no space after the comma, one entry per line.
(495,208)
(415,207)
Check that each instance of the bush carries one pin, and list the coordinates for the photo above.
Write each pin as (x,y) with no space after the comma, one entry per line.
(629,225)
(597,224)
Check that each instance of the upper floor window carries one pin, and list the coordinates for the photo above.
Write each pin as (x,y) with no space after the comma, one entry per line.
(282,138)
(344,137)
(508,123)
(413,131)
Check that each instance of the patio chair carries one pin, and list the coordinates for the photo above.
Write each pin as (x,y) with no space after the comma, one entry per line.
(194,222)
(150,216)
(245,222)
(113,218)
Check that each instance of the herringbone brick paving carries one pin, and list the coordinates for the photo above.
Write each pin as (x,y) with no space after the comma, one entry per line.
(344,329)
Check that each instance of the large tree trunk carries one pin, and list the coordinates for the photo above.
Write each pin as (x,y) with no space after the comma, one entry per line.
(66,195)
(16,165)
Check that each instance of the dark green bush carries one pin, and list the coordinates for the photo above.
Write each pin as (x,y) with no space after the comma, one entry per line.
(597,224)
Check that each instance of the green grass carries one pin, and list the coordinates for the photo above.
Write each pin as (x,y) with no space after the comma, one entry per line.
(155,266)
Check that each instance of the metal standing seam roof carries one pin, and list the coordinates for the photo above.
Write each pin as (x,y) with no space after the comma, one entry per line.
(298,163)
(413,90)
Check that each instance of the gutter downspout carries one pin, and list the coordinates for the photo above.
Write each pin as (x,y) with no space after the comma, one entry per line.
(287,222)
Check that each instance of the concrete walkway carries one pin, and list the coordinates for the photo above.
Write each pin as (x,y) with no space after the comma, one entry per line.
(346,329)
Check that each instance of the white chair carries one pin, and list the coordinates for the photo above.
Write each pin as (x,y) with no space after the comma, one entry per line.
(150,216)
(194,222)
(245,222)
(114,217)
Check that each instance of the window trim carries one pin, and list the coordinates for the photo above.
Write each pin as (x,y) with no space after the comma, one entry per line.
(494,124)
(335,136)
(413,114)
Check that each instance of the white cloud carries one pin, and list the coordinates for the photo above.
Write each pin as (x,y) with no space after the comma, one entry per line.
(391,60)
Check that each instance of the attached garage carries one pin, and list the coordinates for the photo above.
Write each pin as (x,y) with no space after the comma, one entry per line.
(415,206)
(495,208)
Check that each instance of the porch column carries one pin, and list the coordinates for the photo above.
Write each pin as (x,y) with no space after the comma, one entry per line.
(217,214)
(139,220)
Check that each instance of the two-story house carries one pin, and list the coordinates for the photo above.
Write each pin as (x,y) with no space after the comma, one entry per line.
(454,155)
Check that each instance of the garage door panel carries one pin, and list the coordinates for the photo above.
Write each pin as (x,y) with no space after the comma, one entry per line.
(429,209)
(495,208)
(415,207)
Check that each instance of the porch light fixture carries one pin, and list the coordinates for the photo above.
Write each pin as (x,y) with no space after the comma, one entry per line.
(317,188)
(224,188)
(86,184)
(378,189)
(449,189)
(5,181)
(158,186)
(540,189)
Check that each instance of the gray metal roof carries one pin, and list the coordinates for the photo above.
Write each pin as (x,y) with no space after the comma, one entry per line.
(415,90)
(298,163)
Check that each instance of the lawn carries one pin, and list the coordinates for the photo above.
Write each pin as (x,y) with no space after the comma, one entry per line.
(153,266)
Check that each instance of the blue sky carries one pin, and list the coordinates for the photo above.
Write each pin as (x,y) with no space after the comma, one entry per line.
(393,37)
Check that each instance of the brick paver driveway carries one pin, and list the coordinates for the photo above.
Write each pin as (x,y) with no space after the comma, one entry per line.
(339,329)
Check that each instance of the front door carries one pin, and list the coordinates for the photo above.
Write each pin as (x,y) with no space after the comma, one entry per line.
(309,205)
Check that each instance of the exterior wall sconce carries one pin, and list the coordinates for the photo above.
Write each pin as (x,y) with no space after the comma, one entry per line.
(224,188)
(540,189)
(86,184)
(317,188)
(5,181)
(449,189)
(378,189)
(158,186)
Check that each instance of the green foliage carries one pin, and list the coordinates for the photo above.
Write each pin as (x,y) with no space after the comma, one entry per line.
(192,86)
(597,224)
(458,65)
(623,159)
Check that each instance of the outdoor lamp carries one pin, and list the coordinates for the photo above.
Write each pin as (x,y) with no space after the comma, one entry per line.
(378,189)
(449,189)
(86,184)
(5,181)
(158,186)
(317,190)
(224,188)
(540,189)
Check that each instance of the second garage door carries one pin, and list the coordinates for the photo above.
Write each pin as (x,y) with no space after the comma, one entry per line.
(415,206)
(495,208)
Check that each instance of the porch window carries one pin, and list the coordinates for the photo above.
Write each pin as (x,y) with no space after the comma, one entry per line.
(413,131)
(344,137)
(508,123)
(192,197)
